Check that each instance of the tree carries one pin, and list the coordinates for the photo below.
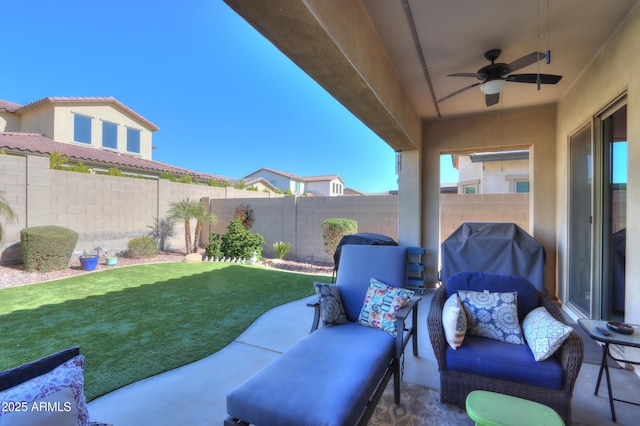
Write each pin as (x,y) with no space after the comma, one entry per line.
(245,213)
(201,217)
(7,212)
(184,210)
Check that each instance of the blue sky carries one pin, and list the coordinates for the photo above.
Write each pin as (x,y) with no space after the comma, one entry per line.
(227,102)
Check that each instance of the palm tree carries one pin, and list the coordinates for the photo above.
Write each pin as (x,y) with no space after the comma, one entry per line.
(185,210)
(202,217)
(7,212)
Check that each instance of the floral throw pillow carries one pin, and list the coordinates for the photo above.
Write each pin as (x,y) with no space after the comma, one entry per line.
(544,333)
(61,390)
(494,315)
(331,308)
(454,321)
(381,303)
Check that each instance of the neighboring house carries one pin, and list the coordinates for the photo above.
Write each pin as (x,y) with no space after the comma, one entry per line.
(258,184)
(499,172)
(98,131)
(327,186)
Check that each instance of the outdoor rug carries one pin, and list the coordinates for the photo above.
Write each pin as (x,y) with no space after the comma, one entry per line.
(419,406)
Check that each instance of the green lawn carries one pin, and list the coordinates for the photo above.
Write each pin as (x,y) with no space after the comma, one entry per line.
(135,322)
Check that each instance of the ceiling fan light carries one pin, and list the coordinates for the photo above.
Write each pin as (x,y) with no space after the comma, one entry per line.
(492,87)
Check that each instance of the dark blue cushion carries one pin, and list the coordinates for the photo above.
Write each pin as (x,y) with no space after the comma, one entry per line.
(528,297)
(325,379)
(21,374)
(500,360)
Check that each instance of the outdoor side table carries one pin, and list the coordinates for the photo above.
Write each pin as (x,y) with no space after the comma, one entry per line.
(632,340)
(496,409)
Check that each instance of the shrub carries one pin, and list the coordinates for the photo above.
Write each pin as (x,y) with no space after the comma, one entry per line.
(213,249)
(245,213)
(169,176)
(240,243)
(114,171)
(333,229)
(161,230)
(281,248)
(185,179)
(142,247)
(47,248)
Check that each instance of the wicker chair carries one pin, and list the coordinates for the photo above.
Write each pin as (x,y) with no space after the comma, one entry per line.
(456,385)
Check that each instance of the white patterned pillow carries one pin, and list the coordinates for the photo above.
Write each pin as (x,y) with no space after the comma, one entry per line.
(494,315)
(54,398)
(381,303)
(544,333)
(331,308)
(454,321)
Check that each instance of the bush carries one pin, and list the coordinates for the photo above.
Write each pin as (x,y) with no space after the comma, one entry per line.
(333,229)
(213,250)
(47,248)
(142,247)
(240,243)
(281,248)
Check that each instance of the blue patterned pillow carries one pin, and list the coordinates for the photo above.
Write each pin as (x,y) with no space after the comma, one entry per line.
(331,309)
(544,333)
(381,303)
(493,315)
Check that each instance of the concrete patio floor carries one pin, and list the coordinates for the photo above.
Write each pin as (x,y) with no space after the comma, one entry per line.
(196,393)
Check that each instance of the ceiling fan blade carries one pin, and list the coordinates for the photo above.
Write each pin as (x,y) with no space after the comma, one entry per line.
(526,60)
(533,78)
(493,99)
(464,74)
(457,92)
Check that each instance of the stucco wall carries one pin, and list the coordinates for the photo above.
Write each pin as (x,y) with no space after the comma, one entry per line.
(613,72)
(532,128)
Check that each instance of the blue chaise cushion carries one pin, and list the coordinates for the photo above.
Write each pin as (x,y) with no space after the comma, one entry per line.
(325,379)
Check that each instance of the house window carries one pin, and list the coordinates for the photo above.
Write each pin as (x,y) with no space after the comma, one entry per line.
(297,187)
(470,189)
(133,140)
(522,187)
(109,135)
(81,128)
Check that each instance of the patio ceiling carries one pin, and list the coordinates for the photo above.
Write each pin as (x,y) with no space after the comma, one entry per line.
(388,61)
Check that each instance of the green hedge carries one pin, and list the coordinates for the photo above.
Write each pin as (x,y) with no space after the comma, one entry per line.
(47,248)
(333,229)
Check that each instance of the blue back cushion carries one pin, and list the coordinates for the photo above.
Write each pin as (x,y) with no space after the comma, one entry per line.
(528,298)
(22,373)
(358,264)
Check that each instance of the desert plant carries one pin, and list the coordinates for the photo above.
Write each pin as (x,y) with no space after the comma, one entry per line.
(245,213)
(184,210)
(142,247)
(47,248)
(161,230)
(201,217)
(240,243)
(333,229)
(7,212)
(57,161)
(281,248)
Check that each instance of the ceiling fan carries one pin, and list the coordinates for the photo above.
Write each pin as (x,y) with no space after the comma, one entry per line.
(494,76)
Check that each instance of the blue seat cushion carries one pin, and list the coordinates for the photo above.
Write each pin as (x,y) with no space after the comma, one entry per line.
(325,379)
(528,297)
(500,360)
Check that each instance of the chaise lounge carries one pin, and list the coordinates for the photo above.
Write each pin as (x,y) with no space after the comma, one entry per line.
(337,374)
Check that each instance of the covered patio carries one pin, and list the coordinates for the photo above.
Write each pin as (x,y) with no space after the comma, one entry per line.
(391,63)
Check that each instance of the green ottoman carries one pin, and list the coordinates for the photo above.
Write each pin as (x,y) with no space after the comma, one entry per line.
(496,409)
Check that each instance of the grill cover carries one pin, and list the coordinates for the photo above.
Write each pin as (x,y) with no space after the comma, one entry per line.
(498,248)
(363,238)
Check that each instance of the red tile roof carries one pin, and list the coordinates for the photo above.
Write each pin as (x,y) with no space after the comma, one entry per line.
(9,106)
(84,99)
(33,143)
